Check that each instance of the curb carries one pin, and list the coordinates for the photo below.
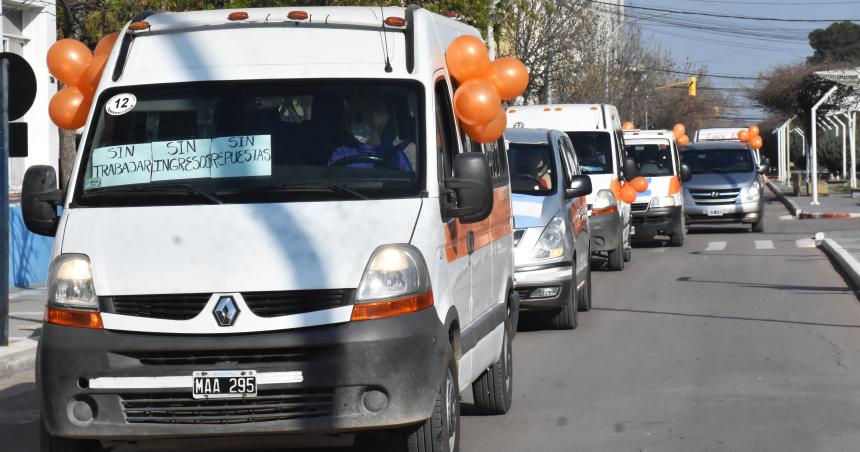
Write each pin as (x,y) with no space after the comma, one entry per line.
(811,216)
(19,356)
(792,207)
(843,259)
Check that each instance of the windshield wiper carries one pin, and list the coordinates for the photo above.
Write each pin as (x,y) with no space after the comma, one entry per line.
(329,187)
(154,189)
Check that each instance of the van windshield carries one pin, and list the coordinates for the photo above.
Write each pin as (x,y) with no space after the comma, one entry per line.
(718,160)
(593,150)
(653,159)
(250,142)
(532,168)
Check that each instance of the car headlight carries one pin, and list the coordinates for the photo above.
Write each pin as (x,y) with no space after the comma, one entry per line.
(70,282)
(751,193)
(604,202)
(395,282)
(552,241)
(662,201)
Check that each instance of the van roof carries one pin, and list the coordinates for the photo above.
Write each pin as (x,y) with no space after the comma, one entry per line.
(567,117)
(648,134)
(528,136)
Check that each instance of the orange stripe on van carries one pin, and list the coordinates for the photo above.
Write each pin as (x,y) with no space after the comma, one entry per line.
(674,185)
(579,222)
(486,231)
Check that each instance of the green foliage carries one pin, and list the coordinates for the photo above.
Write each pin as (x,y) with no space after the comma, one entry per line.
(838,43)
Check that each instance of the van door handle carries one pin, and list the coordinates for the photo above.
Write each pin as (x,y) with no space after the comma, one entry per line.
(470,241)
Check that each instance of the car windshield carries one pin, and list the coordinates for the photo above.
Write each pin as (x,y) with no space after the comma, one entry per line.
(593,151)
(718,160)
(532,168)
(653,159)
(248,142)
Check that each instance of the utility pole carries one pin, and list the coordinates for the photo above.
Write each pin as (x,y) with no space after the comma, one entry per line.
(814,143)
(4,203)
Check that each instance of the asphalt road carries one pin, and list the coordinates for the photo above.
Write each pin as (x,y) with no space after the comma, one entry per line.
(734,342)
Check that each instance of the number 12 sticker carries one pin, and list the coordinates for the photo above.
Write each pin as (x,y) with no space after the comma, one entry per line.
(120,104)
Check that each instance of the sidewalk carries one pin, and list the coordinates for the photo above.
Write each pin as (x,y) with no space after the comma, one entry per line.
(835,205)
(26,309)
(844,248)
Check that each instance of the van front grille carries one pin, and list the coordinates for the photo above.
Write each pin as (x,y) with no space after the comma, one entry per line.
(639,207)
(219,357)
(269,405)
(715,196)
(167,307)
(276,304)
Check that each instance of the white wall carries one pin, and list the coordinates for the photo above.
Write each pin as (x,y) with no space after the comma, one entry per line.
(39,33)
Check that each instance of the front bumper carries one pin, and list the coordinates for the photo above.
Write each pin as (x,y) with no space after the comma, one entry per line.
(739,212)
(342,366)
(657,221)
(529,278)
(605,231)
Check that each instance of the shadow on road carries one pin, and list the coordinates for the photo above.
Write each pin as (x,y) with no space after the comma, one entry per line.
(819,290)
(726,317)
(19,418)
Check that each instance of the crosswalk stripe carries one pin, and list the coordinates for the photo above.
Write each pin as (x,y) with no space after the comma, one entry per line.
(659,250)
(805,243)
(763,244)
(786,217)
(716,246)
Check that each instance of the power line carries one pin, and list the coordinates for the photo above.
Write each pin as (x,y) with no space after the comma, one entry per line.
(725,16)
(733,77)
(778,3)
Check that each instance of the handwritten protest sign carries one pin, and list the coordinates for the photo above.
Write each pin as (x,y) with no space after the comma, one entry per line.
(121,165)
(249,155)
(180,159)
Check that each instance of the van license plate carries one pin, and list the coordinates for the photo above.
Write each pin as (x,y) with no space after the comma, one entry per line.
(224,384)
(715,212)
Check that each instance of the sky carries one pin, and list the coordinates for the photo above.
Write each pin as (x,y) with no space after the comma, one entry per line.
(736,46)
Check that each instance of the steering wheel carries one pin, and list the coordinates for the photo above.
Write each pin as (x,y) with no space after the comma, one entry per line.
(360,158)
(526,178)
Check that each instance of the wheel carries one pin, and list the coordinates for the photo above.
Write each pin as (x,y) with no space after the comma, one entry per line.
(493,391)
(616,257)
(566,318)
(51,443)
(678,236)
(584,304)
(440,433)
(759,225)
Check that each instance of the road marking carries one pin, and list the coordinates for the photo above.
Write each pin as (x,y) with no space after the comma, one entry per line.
(716,246)
(763,244)
(786,217)
(659,250)
(805,243)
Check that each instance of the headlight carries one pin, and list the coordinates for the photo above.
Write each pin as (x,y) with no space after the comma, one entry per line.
(395,282)
(751,193)
(604,202)
(551,242)
(70,283)
(662,201)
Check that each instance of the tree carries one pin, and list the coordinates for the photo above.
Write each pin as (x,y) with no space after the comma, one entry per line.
(838,43)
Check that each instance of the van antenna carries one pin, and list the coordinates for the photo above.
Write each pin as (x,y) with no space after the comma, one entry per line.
(385,44)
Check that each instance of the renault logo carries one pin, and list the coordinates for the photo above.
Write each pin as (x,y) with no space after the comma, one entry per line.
(226,311)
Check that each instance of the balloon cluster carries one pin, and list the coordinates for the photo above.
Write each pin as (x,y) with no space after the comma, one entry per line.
(752,136)
(681,135)
(628,126)
(483,87)
(629,191)
(72,63)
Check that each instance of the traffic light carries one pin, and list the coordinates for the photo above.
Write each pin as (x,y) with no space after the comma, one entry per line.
(692,91)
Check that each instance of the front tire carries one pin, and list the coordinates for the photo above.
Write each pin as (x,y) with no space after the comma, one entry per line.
(584,304)
(440,433)
(566,318)
(759,225)
(616,256)
(678,237)
(493,391)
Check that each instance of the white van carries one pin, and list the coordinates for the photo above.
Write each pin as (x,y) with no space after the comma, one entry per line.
(595,130)
(274,227)
(659,210)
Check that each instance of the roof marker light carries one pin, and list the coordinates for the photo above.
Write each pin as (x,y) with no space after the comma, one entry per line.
(297,15)
(395,21)
(547,109)
(238,15)
(139,25)
(594,108)
(512,110)
(557,108)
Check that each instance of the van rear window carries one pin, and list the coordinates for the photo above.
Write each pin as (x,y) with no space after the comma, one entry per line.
(260,141)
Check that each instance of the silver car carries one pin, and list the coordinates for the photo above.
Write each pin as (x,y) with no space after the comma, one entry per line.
(551,232)
(726,184)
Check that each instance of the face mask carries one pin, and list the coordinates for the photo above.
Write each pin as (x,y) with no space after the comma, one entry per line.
(361,132)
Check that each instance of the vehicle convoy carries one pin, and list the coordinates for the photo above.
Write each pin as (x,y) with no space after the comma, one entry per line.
(660,209)
(726,184)
(551,236)
(595,131)
(268,242)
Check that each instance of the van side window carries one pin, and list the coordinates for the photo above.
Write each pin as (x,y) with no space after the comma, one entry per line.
(446,135)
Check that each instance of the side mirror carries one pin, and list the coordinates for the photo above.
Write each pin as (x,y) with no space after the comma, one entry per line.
(472,186)
(763,166)
(39,200)
(579,186)
(630,169)
(686,174)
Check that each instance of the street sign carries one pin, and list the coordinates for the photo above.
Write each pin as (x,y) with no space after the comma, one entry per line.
(22,80)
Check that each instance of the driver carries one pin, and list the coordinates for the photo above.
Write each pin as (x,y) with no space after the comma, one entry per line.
(365,120)
(532,164)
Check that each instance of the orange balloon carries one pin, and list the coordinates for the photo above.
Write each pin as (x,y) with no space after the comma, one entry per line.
(628,125)
(68,60)
(69,108)
(477,102)
(754,131)
(628,194)
(639,183)
(90,80)
(679,130)
(467,58)
(106,44)
(744,136)
(615,188)
(756,142)
(491,132)
(510,77)
(683,141)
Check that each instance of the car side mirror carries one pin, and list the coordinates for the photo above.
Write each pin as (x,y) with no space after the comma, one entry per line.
(39,200)
(631,171)
(472,186)
(686,173)
(764,165)
(579,186)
